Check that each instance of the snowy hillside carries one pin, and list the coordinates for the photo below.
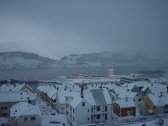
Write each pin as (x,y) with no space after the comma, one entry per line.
(22,60)
(106,59)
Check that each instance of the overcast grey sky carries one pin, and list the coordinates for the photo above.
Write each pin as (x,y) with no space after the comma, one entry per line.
(56,28)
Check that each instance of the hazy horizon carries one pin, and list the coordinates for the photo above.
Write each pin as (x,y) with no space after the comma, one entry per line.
(58,28)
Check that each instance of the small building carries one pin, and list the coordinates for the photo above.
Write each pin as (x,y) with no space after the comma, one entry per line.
(124,107)
(89,106)
(156,104)
(25,114)
(8,99)
(16,87)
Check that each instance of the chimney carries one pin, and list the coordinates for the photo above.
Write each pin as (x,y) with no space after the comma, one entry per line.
(82,88)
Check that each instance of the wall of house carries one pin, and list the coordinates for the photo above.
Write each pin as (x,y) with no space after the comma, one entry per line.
(138,99)
(101,115)
(109,112)
(116,109)
(82,114)
(148,104)
(5,108)
(160,109)
(123,111)
(61,108)
(12,121)
(126,111)
(22,122)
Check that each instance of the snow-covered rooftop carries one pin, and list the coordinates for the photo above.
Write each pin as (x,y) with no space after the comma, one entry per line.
(16,96)
(126,102)
(12,87)
(24,108)
(159,100)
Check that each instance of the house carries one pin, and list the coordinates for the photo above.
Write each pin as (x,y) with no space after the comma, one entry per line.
(63,91)
(8,99)
(94,104)
(124,100)
(48,94)
(16,87)
(145,90)
(156,104)
(131,78)
(124,107)
(25,114)
(61,99)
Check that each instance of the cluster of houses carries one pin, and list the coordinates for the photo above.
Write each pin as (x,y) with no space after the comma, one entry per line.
(98,100)
(84,101)
(17,104)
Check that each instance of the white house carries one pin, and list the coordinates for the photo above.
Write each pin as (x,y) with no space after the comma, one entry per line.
(16,87)
(25,114)
(89,106)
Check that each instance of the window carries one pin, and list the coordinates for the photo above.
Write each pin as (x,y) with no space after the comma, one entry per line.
(105,116)
(25,119)
(139,99)
(98,116)
(92,109)
(98,108)
(4,108)
(88,119)
(88,110)
(106,108)
(32,118)
(83,103)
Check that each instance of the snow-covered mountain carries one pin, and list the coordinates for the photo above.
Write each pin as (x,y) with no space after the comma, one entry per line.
(119,58)
(23,60)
